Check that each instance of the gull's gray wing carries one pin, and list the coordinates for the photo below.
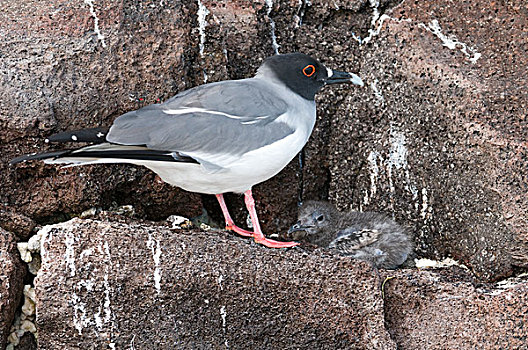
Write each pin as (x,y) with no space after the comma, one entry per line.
(213,123)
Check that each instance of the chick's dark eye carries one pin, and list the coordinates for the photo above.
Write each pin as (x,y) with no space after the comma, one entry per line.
(320,218)
(309,70)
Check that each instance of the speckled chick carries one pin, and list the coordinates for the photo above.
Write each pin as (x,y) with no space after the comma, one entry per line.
(367,236)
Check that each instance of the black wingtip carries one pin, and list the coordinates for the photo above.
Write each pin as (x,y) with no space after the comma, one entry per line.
(93,135)
(145,154)
(18,159)
(38,156)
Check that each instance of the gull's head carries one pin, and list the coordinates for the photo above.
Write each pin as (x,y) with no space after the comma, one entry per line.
(303,74)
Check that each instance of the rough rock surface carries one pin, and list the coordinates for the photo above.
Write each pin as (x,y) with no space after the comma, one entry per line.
(426,310)
(437,136)
(12,272)
(125,284)
(138,286)
(16,223)
(27,342)
(55,74)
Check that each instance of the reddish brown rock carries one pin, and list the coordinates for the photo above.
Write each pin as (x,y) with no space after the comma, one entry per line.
(16,223)
(437,136)
(57,75)
(116,284)
(27,342)
(12,272)
(425,310)
(130,285)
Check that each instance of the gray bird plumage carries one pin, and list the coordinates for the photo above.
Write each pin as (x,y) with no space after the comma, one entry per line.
(367,236)
(196,118)
(215,138)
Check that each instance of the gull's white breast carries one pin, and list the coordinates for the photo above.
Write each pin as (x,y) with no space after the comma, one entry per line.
(249,169)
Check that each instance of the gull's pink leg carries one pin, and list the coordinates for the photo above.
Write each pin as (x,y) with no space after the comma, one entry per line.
(230,224)
(258,235)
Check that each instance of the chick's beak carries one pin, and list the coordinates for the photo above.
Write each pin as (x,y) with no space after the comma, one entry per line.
(297,227)
(335,77)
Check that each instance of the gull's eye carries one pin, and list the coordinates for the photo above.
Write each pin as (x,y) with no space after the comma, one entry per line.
(320,218)
(309,70)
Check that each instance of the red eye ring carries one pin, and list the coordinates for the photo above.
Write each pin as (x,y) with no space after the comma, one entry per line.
(305,69)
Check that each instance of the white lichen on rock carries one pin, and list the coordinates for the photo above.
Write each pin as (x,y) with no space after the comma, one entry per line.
(25,254)
(433,27)
(88,213)
(451,42)
(395,160)
(274,44)
(202,23)
(205,227)
(28,326)
(97,30)
(30,252)
(28,308)
(154,246)
(24,319)
(125,210)
(179,222)
(424,263)
(506,284)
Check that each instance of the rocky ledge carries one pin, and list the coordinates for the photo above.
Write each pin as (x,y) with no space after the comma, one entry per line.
(116,284)
(437,138)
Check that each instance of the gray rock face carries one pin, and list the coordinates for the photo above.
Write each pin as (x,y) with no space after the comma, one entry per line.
(12,272)
(118,285)
(426,310)
(112,284)
(437,136)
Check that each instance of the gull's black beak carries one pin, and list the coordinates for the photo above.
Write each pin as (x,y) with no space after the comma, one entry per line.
(297,227)
(335,77)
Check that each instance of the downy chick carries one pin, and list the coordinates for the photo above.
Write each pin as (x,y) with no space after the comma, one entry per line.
(367,236)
